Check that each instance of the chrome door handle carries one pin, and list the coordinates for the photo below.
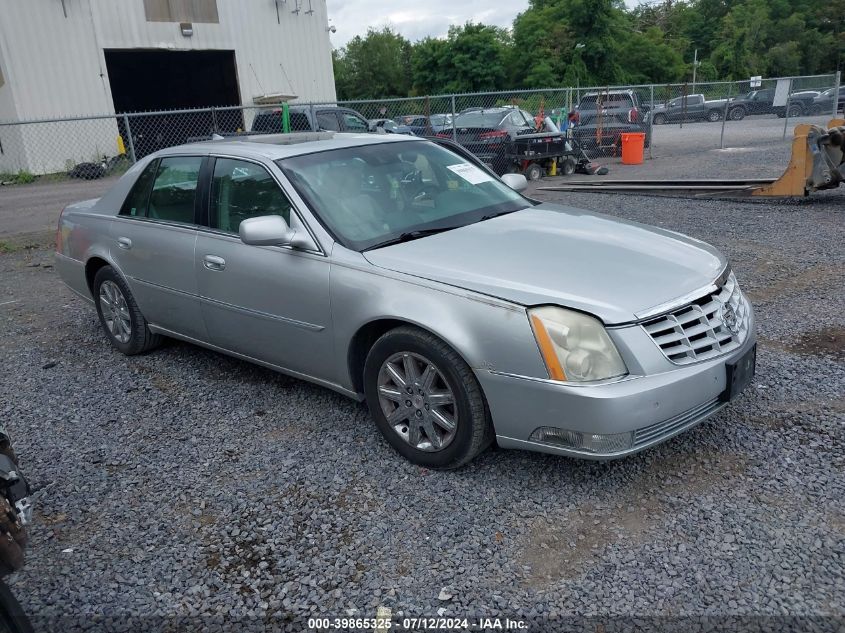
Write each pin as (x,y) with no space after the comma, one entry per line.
(124,242)
(212,262)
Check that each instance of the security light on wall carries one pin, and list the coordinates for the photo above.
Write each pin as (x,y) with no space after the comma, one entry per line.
(187,28)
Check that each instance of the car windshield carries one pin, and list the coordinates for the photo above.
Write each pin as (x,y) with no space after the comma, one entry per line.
(479,119)
(372,195)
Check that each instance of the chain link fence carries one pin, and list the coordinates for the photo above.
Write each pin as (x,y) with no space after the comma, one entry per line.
(675,119)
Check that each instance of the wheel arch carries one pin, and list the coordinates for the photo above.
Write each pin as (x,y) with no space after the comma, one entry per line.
(92,267)
(366,336)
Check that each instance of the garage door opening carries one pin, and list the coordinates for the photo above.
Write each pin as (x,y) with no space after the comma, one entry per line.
(156,80)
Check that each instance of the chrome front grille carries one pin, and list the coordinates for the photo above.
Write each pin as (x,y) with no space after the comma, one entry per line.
(708,327)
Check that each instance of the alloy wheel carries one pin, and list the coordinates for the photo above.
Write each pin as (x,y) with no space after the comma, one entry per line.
(115,311)
(417,402)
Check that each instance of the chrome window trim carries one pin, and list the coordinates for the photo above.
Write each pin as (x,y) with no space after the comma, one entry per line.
(168,223)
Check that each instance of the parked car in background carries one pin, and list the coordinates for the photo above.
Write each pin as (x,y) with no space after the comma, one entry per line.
(389,126)
(440,122)
(689,108)
(487,133)
(762,102)
(401,271)
(823,103)
(602,118)
(417,123)
(803,98)
(330,118)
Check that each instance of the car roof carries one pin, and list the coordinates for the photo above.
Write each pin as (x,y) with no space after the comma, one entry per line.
(277,146)
(608,92)
(493,110)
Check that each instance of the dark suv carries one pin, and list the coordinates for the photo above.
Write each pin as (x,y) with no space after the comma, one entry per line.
(269,120)
(602,118)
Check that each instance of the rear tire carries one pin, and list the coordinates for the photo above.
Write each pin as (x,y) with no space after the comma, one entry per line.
(714,116)
(472,431)
(567,167)
(659,119)
(795,111)
(122,321)
(736,114)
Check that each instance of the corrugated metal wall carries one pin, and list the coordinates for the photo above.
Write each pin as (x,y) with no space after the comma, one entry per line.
(55,65)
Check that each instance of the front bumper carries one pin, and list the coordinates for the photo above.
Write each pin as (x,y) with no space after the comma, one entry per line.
(657,402)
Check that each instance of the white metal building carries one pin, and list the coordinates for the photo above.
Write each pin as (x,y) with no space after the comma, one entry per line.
(76,58)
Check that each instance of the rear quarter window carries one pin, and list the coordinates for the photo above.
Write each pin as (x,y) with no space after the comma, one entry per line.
(135,204)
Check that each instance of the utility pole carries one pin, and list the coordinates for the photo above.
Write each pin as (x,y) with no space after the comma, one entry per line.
(694,68)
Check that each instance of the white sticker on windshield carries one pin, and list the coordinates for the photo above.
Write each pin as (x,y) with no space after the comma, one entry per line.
(470,173)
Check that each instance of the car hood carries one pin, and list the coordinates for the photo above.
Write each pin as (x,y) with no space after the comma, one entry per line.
(550,254)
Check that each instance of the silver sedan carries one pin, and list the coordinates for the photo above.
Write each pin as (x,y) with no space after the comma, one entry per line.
(403,272)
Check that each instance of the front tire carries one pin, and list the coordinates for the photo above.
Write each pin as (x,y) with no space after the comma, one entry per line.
(533,172)
(659,119)
(425,399)
(122,321)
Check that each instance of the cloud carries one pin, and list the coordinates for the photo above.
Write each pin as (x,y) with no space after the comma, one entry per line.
(415,20)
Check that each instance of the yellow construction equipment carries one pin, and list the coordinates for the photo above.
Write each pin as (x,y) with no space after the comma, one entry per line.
(817,162)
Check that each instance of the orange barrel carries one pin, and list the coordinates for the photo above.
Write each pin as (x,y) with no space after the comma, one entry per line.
(633,146)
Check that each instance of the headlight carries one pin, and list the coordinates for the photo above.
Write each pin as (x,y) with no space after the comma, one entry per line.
(575,346)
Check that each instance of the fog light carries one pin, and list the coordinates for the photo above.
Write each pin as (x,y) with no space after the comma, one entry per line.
(595,443)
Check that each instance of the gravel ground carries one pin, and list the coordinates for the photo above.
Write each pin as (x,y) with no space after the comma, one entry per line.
(188,485)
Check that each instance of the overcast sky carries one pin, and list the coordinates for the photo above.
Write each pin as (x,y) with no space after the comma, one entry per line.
(416,19)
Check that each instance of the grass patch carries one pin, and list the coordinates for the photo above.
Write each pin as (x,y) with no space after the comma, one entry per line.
(20,178)
(7,248)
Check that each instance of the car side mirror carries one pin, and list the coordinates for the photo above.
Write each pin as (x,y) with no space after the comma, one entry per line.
(272,230)
(517,182)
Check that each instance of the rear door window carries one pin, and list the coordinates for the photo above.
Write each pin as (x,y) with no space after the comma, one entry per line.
(354,123)
(174,191)
(299,122)
(588,103)
(328,121)
(135,204)
(267,122)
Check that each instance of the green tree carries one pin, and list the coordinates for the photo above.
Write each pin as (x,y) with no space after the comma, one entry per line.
(599,43)
(471,59)
(649,58)
(557,42)
(376,65)
(430,64)
(477,55)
